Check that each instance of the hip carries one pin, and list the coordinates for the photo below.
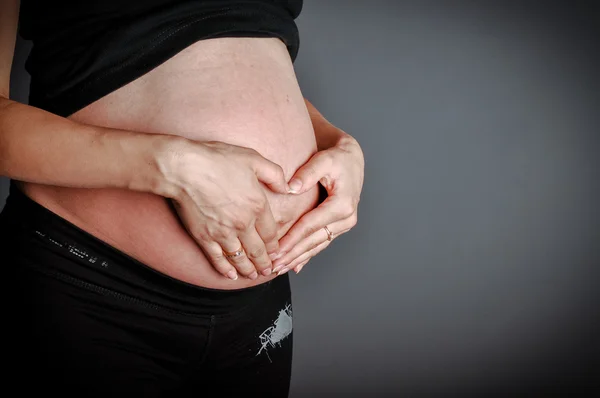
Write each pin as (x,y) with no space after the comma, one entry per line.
(87,317)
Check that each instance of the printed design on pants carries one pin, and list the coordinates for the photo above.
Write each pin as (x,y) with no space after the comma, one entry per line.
(73,249)
(281,328)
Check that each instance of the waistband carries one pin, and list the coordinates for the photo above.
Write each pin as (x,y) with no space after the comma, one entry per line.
(57,245)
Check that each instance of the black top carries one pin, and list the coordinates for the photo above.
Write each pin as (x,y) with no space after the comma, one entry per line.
(83,50)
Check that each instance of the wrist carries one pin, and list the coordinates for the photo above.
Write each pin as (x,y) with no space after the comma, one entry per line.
(329,136)
(142,160)
(164,155)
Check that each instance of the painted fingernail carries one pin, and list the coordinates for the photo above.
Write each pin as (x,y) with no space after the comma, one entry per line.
(232,275)
(253,275)
(299,269)
(266,272)
(295,185)
(282,272)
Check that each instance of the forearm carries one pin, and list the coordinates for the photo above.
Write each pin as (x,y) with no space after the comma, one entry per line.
(38,146)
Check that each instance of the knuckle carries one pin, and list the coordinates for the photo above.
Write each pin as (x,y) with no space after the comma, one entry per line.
(257,252)
(219,233)
(262,265)
(353,219)
(270,237)
(327,159)
(257,204)
(218,256)
(345,208)
(240,224)
(200,235)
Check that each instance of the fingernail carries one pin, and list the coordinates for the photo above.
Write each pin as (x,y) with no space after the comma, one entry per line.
(267,272)
(295,185)
(282,272)
(300,269)
(253,275)
(232,275)
(278,268)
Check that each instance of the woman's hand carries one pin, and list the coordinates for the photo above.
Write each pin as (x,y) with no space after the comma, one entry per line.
(216,190)
(340,169)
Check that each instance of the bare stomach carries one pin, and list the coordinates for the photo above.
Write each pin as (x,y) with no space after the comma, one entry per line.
(241,91)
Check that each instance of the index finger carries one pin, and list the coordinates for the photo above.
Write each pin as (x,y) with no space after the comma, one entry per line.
(271,174)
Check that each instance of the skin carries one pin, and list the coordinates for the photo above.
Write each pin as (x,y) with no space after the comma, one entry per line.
(339,167)
(191,159)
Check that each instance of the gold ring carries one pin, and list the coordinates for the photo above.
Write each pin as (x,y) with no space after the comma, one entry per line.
(234,254)
(329,233)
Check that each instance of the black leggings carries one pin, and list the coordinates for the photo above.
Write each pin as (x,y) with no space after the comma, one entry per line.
(86,319)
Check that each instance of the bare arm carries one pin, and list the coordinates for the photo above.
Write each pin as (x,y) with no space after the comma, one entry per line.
(38,146)
(327,134)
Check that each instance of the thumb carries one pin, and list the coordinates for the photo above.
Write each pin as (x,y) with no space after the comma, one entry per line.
(270,174)
(310,173)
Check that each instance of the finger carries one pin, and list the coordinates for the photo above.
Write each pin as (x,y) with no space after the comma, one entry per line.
(316,169)
(305,257)
(214,252)
(256,251)
(211,249)
(267,229)
(269,173)
(243,265)
(330,211)
(301,248)
(311,243)
(299,267)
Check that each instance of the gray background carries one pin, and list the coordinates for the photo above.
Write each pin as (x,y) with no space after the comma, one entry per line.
(474,264)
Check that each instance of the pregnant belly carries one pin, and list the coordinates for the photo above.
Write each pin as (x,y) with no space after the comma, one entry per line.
(241,91)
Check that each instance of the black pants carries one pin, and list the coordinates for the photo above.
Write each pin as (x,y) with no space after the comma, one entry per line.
(85,319)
